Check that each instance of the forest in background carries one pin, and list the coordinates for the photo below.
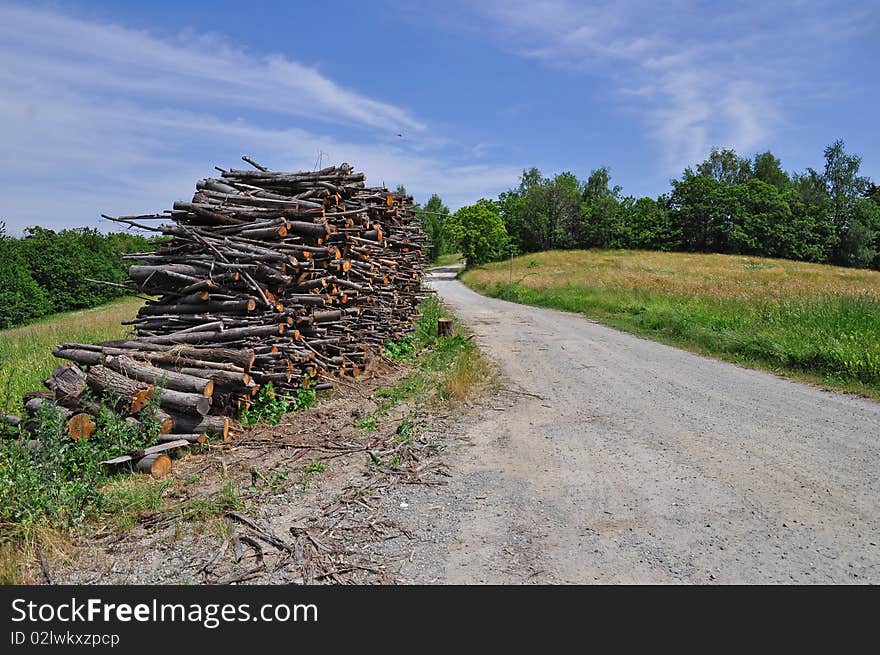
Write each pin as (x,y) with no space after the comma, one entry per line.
(44,272)
(726,204)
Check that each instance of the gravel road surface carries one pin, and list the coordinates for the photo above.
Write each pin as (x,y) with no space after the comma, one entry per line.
(608,458)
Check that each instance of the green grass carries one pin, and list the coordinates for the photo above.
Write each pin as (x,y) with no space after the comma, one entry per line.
(26,352)
(815,322)
(447,369)
(127,497)
(448,260)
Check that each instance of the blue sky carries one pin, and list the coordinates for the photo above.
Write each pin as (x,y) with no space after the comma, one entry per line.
(120,107)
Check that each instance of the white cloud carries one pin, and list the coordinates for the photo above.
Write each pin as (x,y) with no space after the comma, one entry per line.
(695,74)
(100,118)
(48,49)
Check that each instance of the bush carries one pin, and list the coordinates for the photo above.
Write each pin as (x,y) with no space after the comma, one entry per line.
(45,271)
(58,482)
(268,406)
(21,298)
(479,231)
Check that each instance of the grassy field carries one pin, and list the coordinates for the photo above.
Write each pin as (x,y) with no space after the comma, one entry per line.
(26,352)
(816,322)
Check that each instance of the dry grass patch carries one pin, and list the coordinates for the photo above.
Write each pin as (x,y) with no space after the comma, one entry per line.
(817,322)
(720,277)
(467,375)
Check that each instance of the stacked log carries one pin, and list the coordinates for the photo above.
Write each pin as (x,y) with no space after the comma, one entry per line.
(266,277)
(312,271)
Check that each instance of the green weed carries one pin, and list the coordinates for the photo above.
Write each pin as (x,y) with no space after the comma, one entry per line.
(269,406)
(401,350)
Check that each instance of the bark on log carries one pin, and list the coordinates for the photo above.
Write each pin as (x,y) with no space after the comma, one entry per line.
(227,378)
(157,376)
(79,356)
(137,454)
(126,395)
(189,438)
(179,402)
(212,425)
(67,382)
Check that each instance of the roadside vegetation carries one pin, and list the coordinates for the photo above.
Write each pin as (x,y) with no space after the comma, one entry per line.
(445,373)
(816,322)
(449,259)
(269,406)
(53,488)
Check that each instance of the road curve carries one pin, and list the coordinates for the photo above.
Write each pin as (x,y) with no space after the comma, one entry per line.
(621,460)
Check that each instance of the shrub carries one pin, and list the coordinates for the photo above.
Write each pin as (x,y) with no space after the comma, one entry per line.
(21,298)
(479,231)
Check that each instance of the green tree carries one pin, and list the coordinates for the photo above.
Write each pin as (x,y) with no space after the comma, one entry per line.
(601,216)
(435,213)
(649,225)
(859,243)
(761,221)
(844,186)
(479,231)
(768,169)
(564,195)
(21,298)
(725,166)
(698,207)
(811,210)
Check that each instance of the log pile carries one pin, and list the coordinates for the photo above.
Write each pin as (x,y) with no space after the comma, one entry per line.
(265,277)
(312,271)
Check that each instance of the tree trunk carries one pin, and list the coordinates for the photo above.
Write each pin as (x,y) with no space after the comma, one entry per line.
(153,375)
(158,465)
(189,438)
(67,382)
(212,425)
(178,402)
(127,396)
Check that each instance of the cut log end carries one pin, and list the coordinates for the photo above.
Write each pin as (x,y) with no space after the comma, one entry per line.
(158,465)
(81,426)
(140,399)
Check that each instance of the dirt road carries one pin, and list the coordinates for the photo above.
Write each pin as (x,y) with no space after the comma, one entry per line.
(613,459)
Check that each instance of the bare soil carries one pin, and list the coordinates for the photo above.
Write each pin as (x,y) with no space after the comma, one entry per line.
(314,491)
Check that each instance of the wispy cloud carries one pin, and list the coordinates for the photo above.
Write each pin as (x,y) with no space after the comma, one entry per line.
(98,117)
(47,49)
(696,74)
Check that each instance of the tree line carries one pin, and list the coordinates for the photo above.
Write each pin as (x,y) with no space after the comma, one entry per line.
(725,204)
(44,271)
